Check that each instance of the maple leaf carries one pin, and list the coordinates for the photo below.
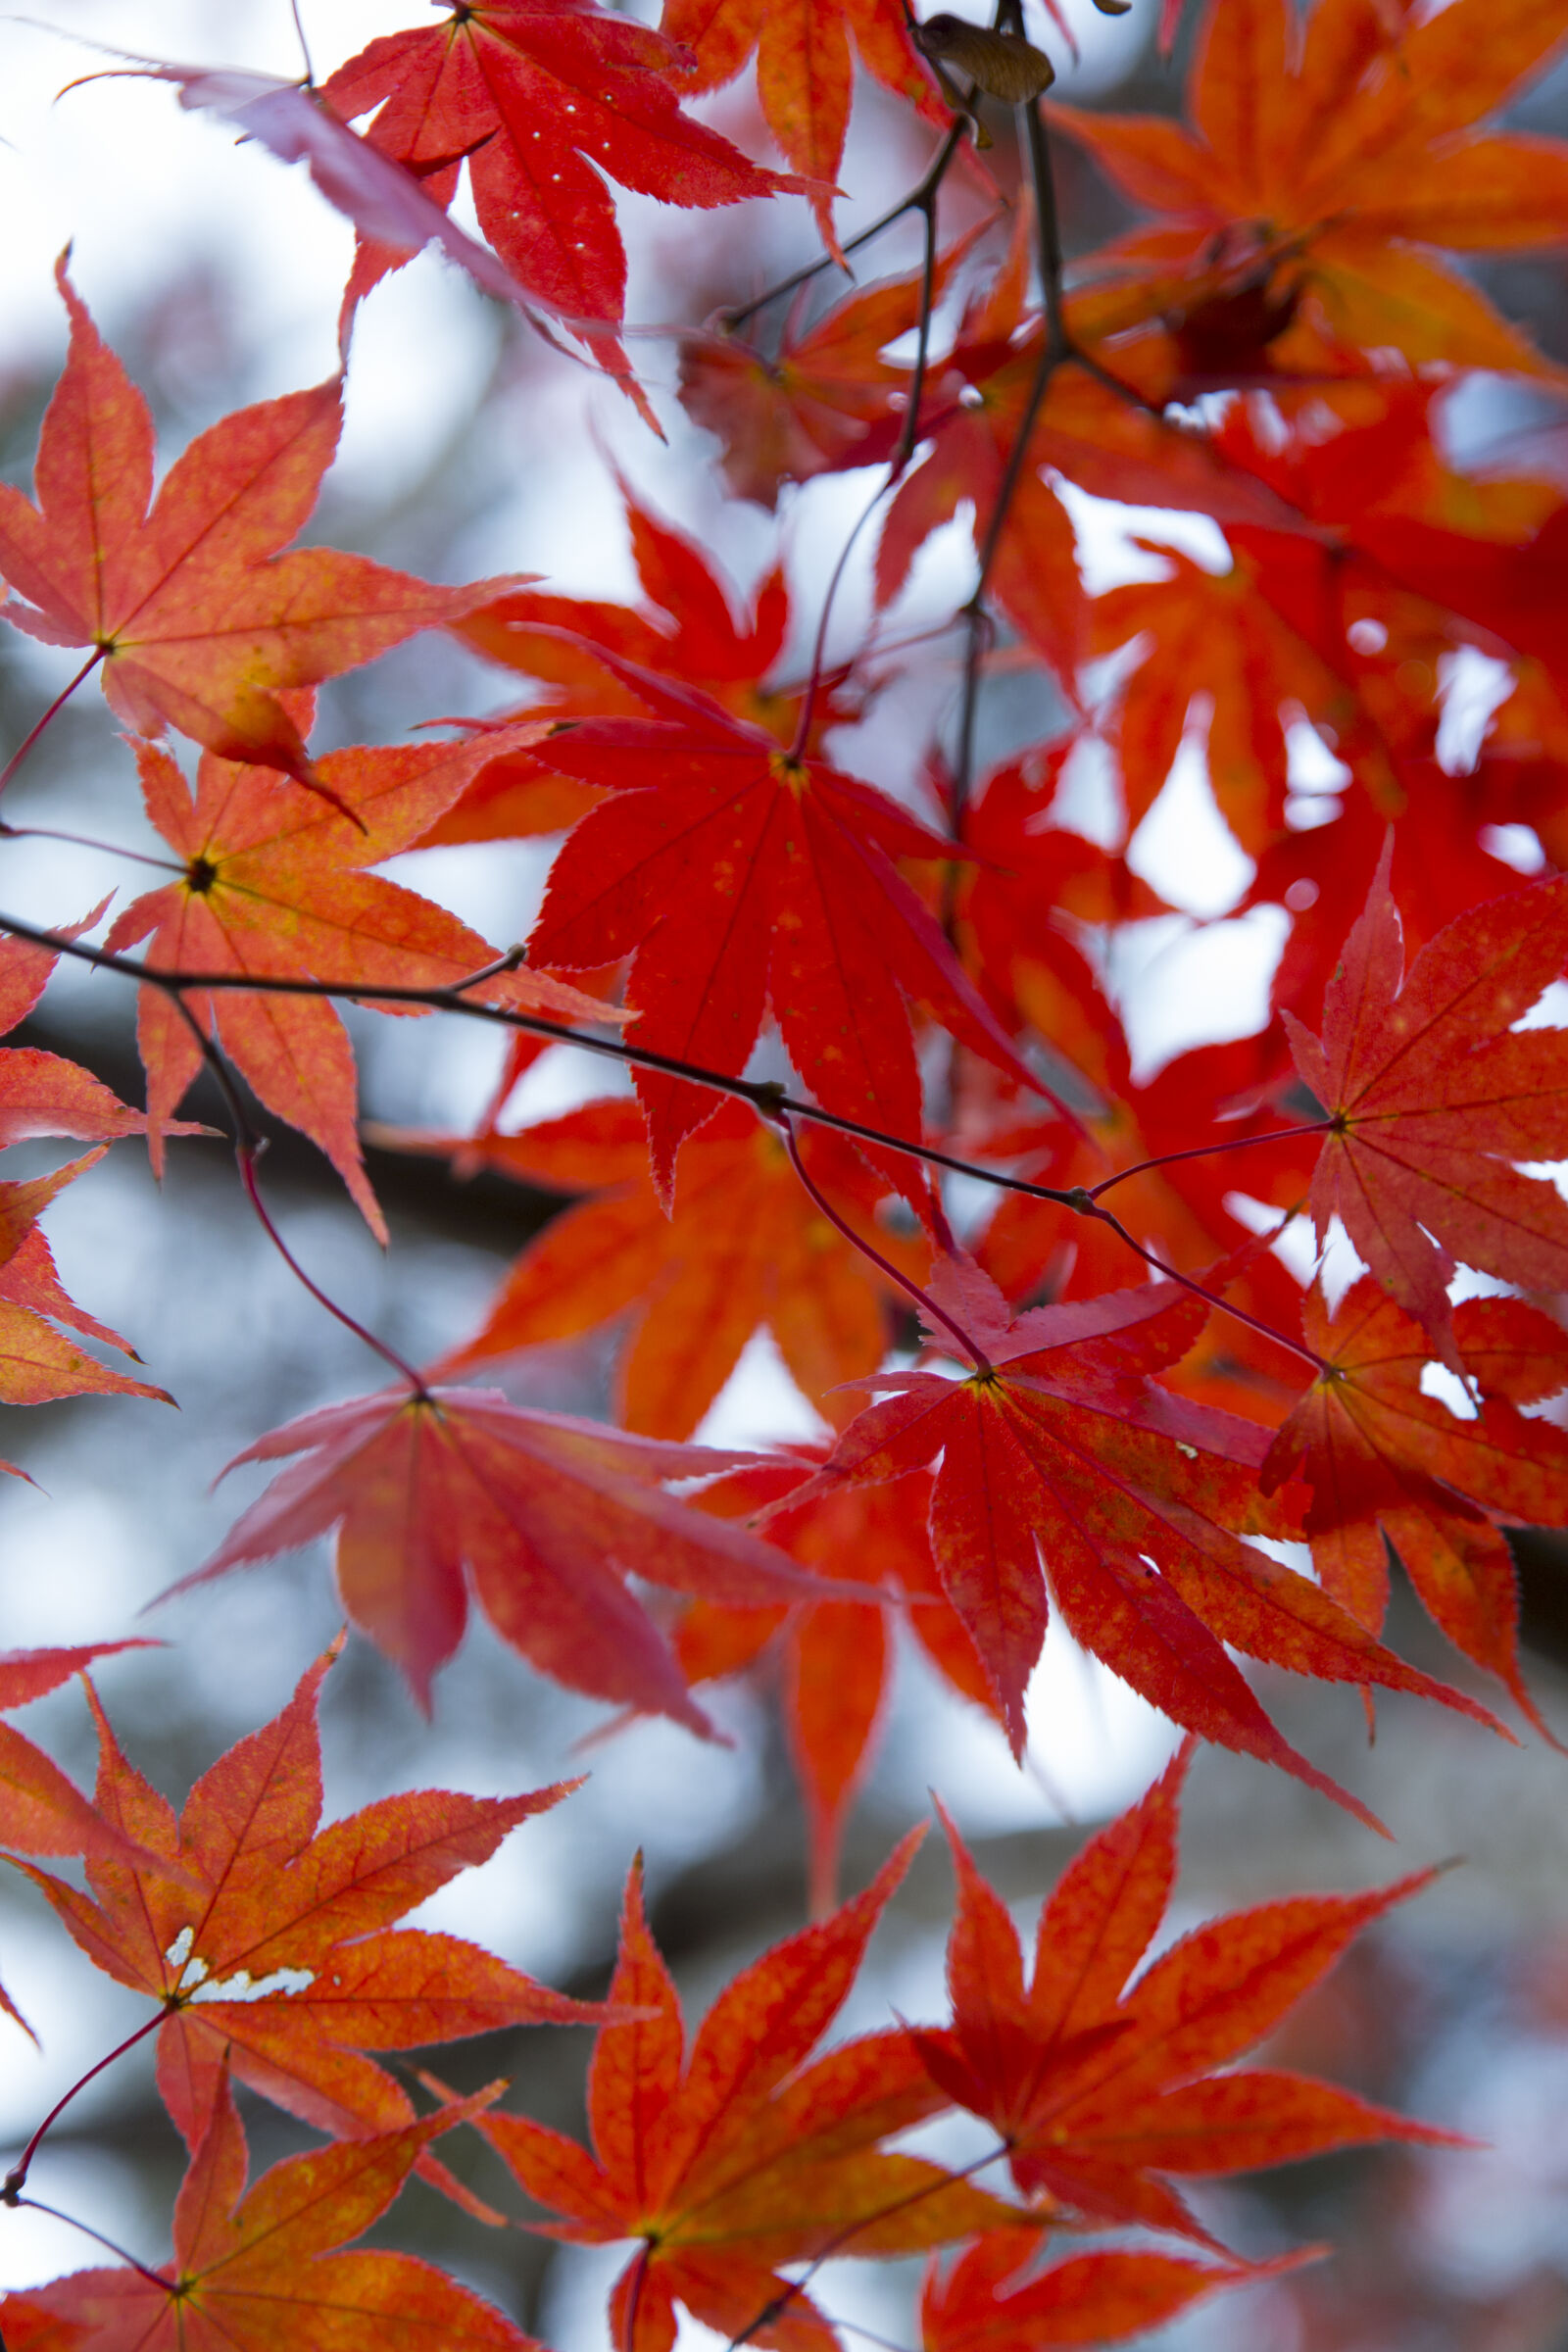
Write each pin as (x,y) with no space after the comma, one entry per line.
(1064,1466)
(1335,155)
(44,1093)
(540,99)
(275,885)
(804,71)
(41,1809)
(197,619)
(269,1941)
(744,1247)
(1099,2091)
(549,1515)
(825,399)
(1383,1457)
(986,2303)
(740,876)
(39,1362)
(742,2154)
(1434,1097)
(835,1664)
(257,2272)
(686,625)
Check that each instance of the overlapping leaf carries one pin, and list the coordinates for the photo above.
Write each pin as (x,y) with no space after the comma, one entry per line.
(744,2153)
(1101,2092)
(259,2271)
(1385,1457)
(834,1664)
(994,2299)
(270,1941)
(1066,1468)
(197,619)
(1435,1098)
(547,1515)
(745,1247)
(805,68)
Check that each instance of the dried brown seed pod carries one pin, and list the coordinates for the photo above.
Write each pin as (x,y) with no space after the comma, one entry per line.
(1001,64)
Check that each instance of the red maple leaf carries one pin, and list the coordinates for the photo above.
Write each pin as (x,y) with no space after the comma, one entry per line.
(994,2299)
(257,2272)
(743,2153)
(741,876)
(549,1516)
(805,70)
(1435,1097)
(1066,1467)
(1384,1457)
(197,618)
(1100,2090)
(269,1941)
(540,99)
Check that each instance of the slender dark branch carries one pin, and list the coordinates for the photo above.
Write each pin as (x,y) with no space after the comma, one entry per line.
(766,1098)
(16,2180)
(249,1146)
(1238,1314)
(85,840)
(53,713)
(305,46)
(1234,1143)
(922,1299)
(923,195)
(37,2205)
(388,1354)
(1053,349)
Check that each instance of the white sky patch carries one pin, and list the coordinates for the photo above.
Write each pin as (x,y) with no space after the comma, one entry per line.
(1343,1264)
(1518,846)
(1088,799)
(1180,984)
(1450,1389)
(1184,849)
(1471,689)
(1549,1009)
(1295,1246)
(1106,532)
(759,1403)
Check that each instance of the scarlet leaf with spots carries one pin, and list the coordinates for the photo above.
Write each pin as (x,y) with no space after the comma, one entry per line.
(740,878)
(1066,1470)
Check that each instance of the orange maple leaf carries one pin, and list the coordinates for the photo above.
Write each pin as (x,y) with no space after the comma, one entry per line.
(257,2272)
(269,1942)
(745,2154)
(1099,2090)
(1332,155)
(274,884)
(196,617)
(992,2299)
(744,1247)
